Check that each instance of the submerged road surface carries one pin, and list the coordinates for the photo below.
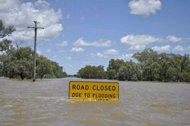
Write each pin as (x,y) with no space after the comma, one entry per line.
(45,103)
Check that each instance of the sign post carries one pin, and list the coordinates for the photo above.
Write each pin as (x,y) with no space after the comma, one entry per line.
(95,91)
(34,55)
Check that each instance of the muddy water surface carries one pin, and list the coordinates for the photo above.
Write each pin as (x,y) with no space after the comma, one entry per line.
(45,103)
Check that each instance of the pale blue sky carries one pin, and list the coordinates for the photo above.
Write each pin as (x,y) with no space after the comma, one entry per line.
(91,32)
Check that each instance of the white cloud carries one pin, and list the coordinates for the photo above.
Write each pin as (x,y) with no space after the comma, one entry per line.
(62,44)
(172,38)
(167,48)
(107,53)
(42,3)
(139,42)
(144,7)
(111,52)
(75,49)
(22,14)
(100,55)
(147,39)
(127,57)
(6,4)
(164,48)
(137,47)
(100,43)
(178,48)
(138,39)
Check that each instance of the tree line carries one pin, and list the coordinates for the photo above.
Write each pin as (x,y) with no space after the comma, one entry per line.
(149,66)
(16,62)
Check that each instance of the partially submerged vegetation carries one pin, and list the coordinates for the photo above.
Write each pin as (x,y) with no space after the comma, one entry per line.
(17,62)
(151,66)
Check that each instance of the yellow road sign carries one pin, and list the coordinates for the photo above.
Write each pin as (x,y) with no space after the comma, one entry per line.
(88,90)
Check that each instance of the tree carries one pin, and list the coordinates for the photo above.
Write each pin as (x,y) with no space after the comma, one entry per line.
(94,72)
(148,59)
(130,71)
(111,74)
(4,31)
(163,67)
(113,68)
(185,68)
(173,67)
(151,66)
(56,70)
(146,55)
(123,73)
(43,66)
(18,63)
(5,45)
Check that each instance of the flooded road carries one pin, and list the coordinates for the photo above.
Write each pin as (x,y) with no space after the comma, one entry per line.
(45,103)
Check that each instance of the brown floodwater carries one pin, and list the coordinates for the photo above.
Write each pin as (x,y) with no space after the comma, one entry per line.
(45,103)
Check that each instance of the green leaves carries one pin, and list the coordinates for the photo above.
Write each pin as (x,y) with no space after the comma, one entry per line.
(4,31)
(120,70)
(92,72)
(151,66)
(48,69)
(163,67)
(18,64)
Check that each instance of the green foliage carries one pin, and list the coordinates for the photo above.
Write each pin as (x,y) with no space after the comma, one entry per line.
(111,74)
(17,62)
(147,55)
(43,66)
(56,70)
(185,75)
(118,69)
(4,31)
(113,68)
(92,72)
(151,66)
(163,67)
(5,45)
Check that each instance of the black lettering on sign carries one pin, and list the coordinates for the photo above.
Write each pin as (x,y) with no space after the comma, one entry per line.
(84,90)
(80,87)
(76,94)
(87,95)
(74,87)
(103,88)
(84,87)
(107,96)
(94,87)
(113,88)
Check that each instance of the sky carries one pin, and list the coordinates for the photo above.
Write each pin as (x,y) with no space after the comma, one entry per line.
(91,32)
